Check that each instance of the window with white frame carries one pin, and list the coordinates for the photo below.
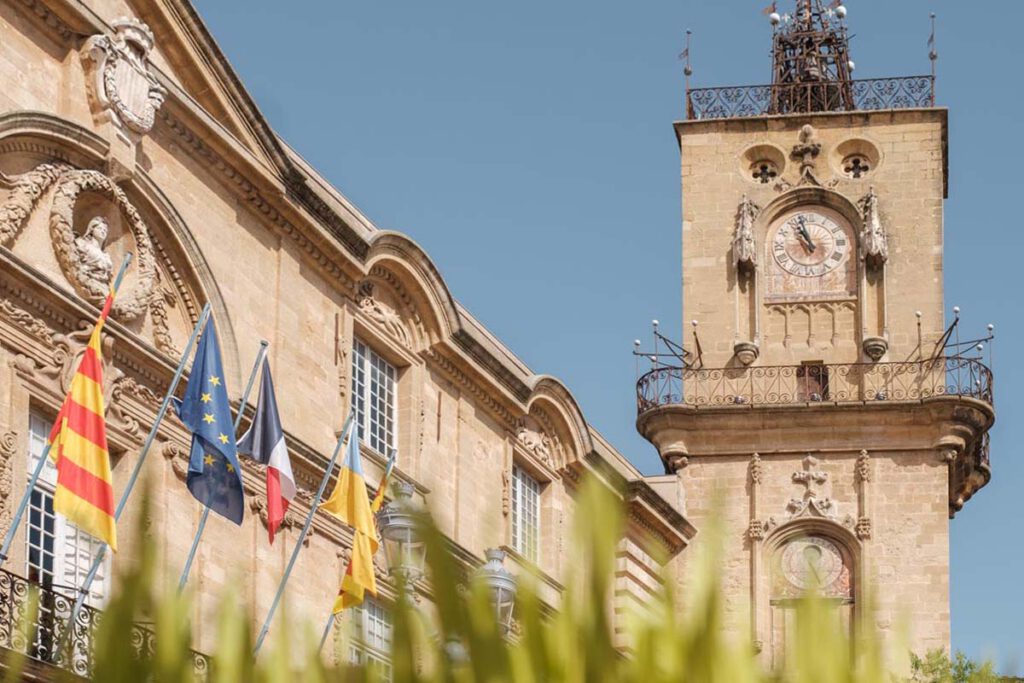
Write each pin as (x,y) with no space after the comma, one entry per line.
(525,514)
(374,393)
(371,637)
(57,555)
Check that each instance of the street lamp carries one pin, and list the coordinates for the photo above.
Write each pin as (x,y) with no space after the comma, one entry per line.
(399,530)
(501,586)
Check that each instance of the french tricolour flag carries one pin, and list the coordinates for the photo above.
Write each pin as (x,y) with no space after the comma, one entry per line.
(265,443)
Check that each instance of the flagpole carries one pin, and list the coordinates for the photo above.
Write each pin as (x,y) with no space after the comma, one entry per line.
(305,530)
(41,464)
(91,576)
(238,421)
(327,631)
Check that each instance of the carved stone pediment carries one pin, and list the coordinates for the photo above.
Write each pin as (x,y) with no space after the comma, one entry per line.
(123,85)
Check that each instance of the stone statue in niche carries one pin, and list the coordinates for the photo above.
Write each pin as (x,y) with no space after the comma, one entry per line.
(94,265)
(744,250)
(874,248)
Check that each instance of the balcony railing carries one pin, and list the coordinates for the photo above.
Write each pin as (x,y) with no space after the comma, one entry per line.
(48,641)
(800,384)
(905,92)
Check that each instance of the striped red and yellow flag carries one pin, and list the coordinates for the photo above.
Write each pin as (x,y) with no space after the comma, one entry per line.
(85,493)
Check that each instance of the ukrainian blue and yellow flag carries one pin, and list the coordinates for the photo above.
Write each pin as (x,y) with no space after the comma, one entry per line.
(214,475)
(350,503)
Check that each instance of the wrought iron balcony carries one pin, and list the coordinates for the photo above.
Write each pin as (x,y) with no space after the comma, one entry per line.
(48,643)
(905,92)
(810,384)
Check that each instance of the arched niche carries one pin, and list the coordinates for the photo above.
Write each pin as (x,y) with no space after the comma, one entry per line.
(54,196)
(804,557)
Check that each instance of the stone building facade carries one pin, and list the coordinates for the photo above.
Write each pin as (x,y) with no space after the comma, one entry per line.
(811,404)
(123,129)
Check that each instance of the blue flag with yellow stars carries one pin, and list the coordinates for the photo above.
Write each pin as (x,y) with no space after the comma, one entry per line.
(214,476)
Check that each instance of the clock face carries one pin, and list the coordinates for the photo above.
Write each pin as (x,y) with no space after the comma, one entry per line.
(810,244)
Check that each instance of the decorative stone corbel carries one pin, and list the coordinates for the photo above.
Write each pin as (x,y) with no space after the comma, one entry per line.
(875,348)
(746,352)
(874,247)
(676,462)
(744,247)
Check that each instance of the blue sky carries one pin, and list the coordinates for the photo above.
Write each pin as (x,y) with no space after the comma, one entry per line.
(529,148)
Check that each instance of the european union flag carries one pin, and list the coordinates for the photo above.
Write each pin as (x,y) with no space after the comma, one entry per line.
(214,476)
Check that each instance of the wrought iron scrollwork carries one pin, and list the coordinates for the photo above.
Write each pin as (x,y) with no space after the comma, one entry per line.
(55,605)
(826,383)
(904,92)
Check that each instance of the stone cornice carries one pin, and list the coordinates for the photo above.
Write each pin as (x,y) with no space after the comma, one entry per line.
(657,516)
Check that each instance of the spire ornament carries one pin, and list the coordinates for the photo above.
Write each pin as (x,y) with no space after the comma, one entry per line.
(811,68)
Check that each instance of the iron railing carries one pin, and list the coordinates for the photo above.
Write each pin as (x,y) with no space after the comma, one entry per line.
(825,383)
(904,92)
(49,641)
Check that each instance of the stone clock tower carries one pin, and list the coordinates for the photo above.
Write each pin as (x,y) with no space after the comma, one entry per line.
(819,399)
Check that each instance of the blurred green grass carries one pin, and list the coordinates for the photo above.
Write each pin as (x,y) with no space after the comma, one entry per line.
(575,644)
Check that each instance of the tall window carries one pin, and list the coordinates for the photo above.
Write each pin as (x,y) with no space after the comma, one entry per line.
(374,383)
(58,556)
(371,638)
(525,514)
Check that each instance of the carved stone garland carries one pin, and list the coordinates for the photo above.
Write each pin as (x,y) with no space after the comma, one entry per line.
(130,304)
(69,248)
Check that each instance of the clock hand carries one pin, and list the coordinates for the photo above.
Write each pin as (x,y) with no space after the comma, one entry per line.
(802,227)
